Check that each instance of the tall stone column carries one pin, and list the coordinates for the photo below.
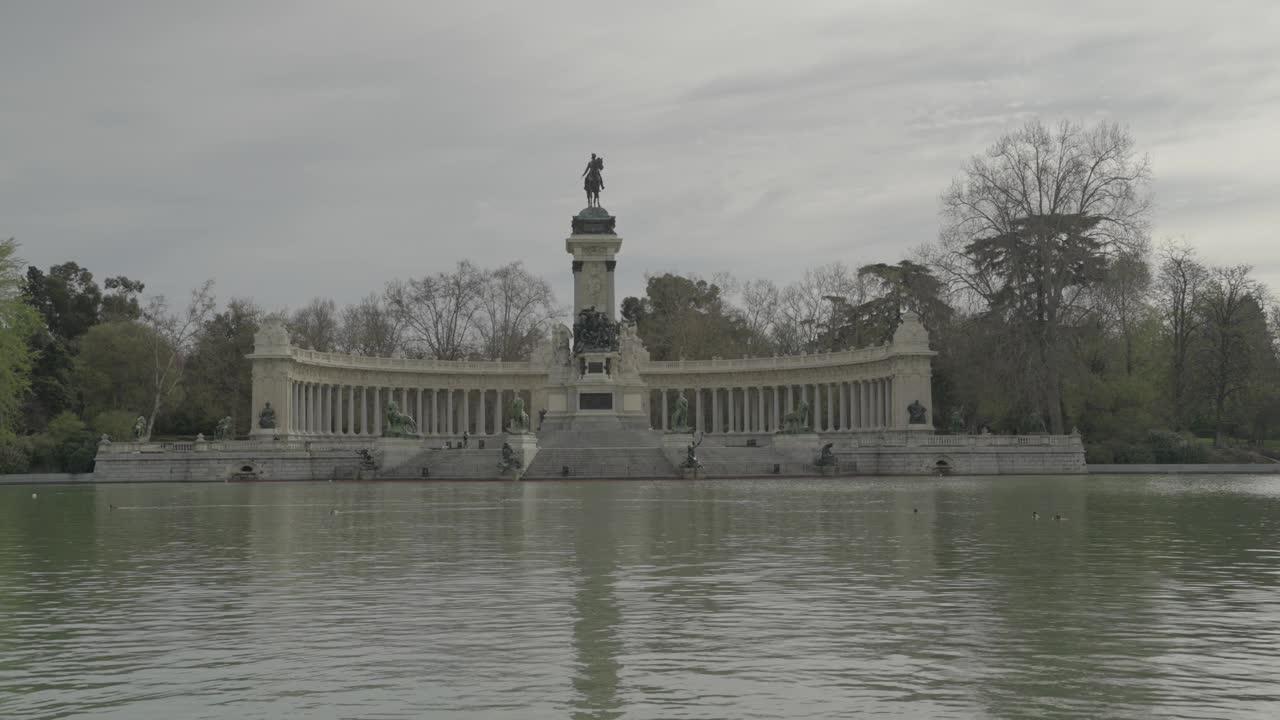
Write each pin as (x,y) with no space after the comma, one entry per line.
(421,419)
(350,401)
(377,411)
(466,410)
(733,410)
(481,427)
(816,407)
(831,405)
(308,409)
(666,419)
(450,424)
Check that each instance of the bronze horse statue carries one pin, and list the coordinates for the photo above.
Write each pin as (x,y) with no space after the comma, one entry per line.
(593,180)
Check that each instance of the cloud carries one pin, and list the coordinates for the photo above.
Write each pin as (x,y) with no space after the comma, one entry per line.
(296,150)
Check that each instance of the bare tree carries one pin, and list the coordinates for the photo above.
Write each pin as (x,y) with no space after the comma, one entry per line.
(1177,293)
(1123,298)
(370,327)
(1033,223)
(758,310)
(516,308)
(1235,339)
(175,335)
(439,311)
(315,326)
(806,307)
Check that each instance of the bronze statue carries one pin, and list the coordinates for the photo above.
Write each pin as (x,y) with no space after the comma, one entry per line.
(593,180)
(690,456)
(917,413)
(267,418)
(826,458)
(398,424)
(796,421)
(594,332)
(680,416)
(510,461)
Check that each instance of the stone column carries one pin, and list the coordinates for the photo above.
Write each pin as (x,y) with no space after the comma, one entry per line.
(879,396)
(666,419)
(466,410)
(733,410)
(481,427)
(890,404)
(831,406)
(450,426)
(337,409)
(815,407)
(777,408)
(331,415)
(377,411)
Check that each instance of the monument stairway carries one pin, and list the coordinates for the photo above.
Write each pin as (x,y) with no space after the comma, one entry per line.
(729,462)
(601,462)
(454,464)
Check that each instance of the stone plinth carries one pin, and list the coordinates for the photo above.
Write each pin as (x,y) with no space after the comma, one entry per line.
(525,446)
(593,221)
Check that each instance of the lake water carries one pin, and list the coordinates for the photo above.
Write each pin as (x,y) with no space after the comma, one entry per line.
(1154,597)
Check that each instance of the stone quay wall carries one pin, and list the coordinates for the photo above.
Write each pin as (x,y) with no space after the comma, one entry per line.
(229,461)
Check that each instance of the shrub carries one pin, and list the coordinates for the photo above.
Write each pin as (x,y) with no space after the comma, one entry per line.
(15,453)
(67,446)
(117,424)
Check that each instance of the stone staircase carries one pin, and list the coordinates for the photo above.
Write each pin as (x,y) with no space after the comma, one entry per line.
(643,463)
(468,464)
(734,462)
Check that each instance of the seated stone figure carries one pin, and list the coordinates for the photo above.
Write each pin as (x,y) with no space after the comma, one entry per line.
(916,413)
(267,418)
(398,424)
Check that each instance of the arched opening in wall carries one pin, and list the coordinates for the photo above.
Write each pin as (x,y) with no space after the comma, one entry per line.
(942,467)
(245,471)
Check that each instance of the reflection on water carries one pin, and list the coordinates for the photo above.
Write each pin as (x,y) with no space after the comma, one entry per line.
(751,599)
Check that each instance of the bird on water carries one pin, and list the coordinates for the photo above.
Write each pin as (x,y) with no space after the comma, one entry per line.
(1035,515)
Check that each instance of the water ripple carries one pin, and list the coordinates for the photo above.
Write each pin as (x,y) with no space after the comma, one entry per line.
(753,599)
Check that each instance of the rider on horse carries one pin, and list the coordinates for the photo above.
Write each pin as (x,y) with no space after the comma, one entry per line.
(593,180)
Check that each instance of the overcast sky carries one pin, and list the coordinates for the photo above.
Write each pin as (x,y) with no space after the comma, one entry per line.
(296,149)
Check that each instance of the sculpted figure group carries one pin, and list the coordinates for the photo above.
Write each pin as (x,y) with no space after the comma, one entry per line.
(594,332)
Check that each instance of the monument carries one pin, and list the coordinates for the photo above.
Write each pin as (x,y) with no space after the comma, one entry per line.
(605,408)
